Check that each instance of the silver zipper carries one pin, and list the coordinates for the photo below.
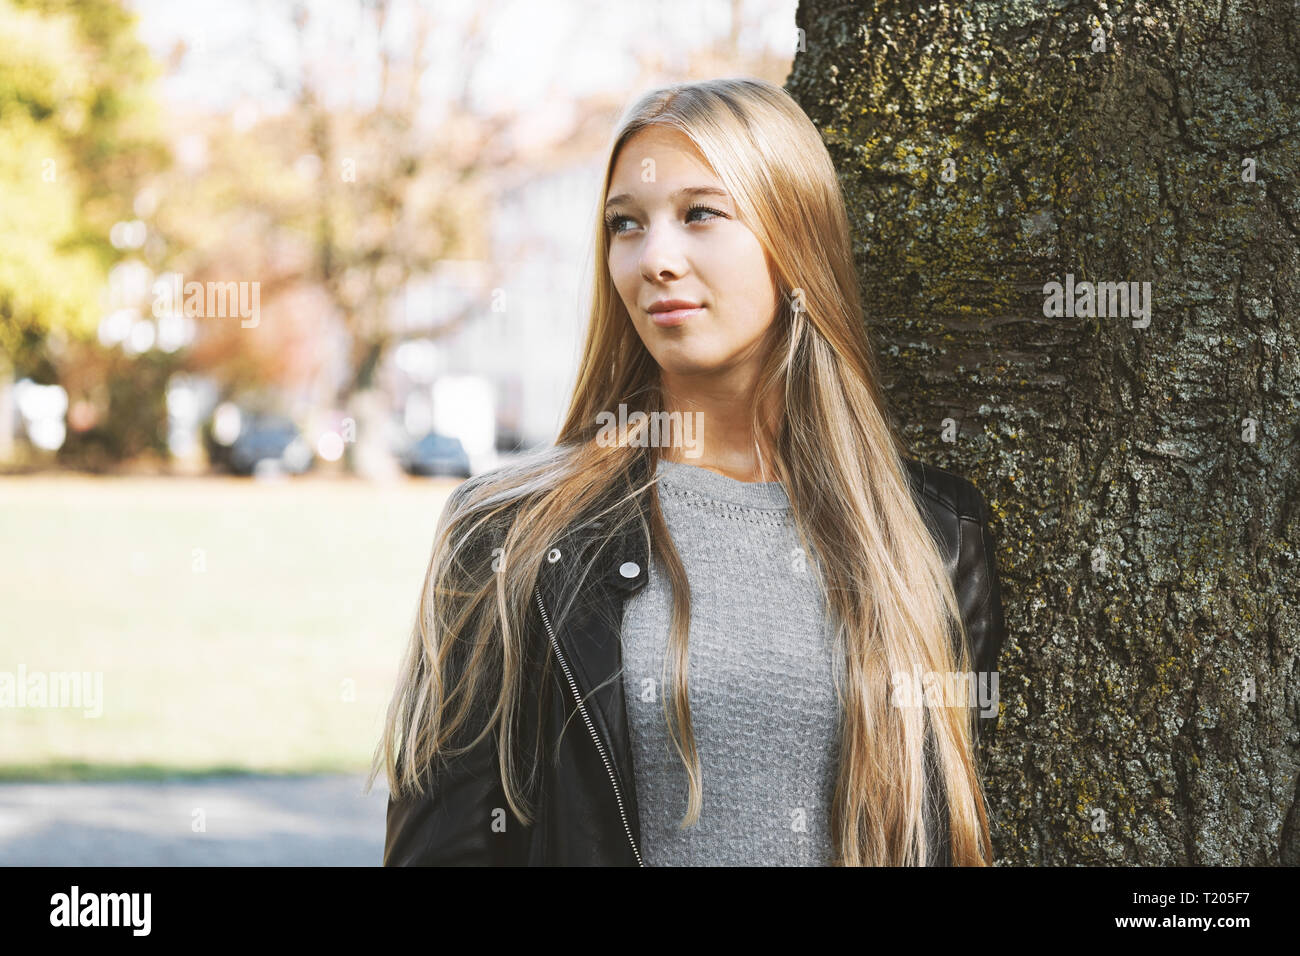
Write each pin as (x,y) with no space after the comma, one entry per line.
(546,619)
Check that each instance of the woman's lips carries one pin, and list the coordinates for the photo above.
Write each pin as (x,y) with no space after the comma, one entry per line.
(676,317)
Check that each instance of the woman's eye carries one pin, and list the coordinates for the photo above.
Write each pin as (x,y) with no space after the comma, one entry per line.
(614,222)
(709,209)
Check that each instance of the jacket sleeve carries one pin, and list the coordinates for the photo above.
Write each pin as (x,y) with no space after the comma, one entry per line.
(981,599)
(461,818)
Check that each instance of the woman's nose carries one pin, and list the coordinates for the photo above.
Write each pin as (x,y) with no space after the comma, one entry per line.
(661,253)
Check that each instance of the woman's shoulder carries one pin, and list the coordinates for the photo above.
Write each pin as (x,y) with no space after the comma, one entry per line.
(473,488)
(477,524)
(947,490)
(960,514)
(502,485)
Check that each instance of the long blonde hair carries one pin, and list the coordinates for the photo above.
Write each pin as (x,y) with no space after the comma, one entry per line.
(837,455)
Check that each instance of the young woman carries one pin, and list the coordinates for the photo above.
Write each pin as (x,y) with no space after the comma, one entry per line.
(681,634)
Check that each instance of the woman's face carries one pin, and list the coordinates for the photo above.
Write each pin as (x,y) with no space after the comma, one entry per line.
(660,248)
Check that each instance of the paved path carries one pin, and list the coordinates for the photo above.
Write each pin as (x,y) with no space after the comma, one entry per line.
(253,821)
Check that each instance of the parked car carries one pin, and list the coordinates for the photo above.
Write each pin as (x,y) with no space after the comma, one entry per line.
(436,454)
(273,439)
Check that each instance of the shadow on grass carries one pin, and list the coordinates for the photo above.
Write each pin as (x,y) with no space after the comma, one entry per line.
(72,771)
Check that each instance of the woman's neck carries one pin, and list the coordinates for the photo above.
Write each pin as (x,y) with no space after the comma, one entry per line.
(724,442)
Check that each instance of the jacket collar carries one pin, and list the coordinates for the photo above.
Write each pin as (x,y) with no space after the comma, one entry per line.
(621,553)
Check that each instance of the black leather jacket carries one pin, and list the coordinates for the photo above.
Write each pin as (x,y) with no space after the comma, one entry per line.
(586,809)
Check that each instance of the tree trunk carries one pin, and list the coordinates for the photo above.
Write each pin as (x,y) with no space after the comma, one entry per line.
(1143,470)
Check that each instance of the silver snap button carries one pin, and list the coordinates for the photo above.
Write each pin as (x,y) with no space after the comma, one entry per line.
(630,569)
(553,555)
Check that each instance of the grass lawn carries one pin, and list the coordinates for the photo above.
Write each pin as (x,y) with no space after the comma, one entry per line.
(238,625)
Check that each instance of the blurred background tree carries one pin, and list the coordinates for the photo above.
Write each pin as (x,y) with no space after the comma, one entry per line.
(336,204)
(78,131)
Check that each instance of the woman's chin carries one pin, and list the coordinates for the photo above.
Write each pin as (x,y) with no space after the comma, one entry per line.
(684,364)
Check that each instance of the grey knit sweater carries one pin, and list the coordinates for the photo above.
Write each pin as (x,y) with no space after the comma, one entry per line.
(762,696)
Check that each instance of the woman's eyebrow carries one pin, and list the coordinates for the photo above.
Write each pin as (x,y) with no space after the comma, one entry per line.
(675,195)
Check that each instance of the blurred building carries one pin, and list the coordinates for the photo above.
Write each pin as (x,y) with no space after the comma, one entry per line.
(516,321)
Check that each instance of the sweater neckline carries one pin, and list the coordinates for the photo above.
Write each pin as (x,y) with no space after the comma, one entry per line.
(699,481)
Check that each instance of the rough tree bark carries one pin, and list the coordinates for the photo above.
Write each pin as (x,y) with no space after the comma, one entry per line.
(1144,478)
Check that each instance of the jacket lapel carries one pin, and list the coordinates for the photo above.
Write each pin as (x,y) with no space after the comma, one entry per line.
(588,627)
